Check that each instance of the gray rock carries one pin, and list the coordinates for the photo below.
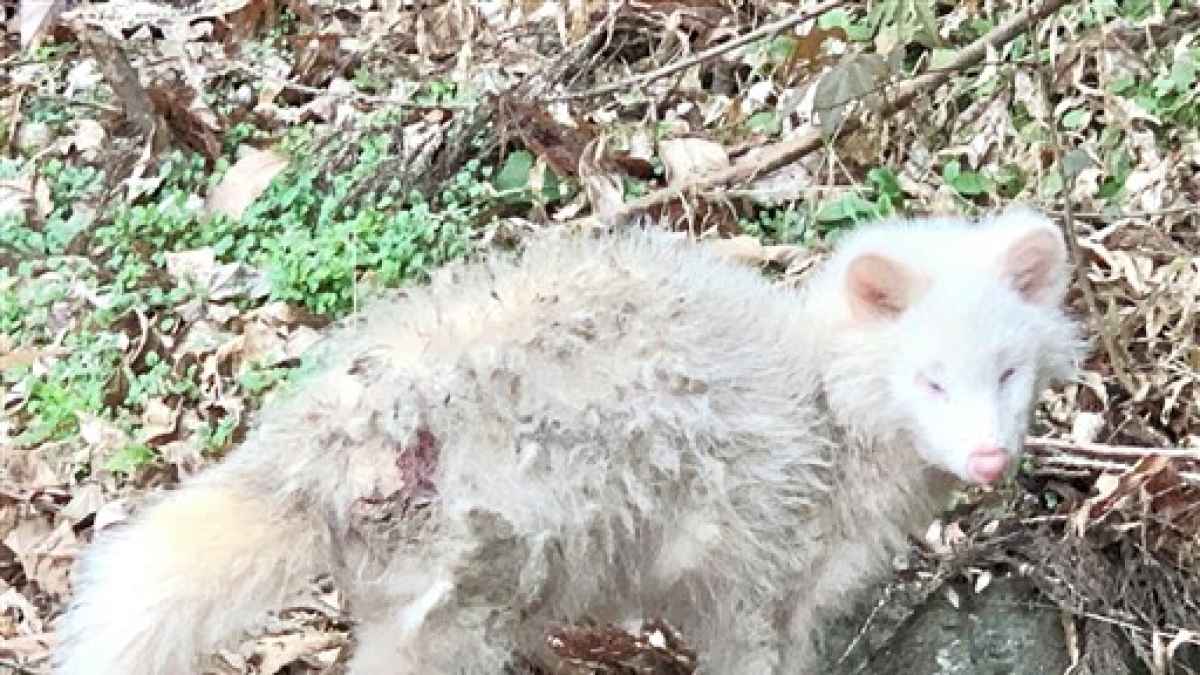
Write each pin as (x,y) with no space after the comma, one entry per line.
(1004,630)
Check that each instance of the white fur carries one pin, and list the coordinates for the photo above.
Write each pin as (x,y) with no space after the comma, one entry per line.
(627,427)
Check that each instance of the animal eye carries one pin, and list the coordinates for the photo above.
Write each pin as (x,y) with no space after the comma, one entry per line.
(931,385)
(1007,374)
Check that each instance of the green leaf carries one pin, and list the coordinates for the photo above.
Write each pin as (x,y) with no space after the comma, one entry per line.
(514,175)
(951,171)
(1074,162)
(1076,119)
(129,458)
(966,183)
(854,78)
(779,49)
(857,31)
(764,122)
(924,23)
(970,184)
(940,58)
(1010,180)
(848,207)
(1052,185)
(1183,74)
(885,181)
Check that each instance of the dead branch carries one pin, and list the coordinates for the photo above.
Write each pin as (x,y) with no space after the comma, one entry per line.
(804,142)
(1121,451)
(138,107)
(1097,457)
(672,68)
(1082,466)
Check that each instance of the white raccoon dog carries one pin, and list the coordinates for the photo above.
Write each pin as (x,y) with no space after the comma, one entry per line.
(605,429)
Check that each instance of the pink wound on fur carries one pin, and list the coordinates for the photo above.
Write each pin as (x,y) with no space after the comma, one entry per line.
(418,463)
(986,465)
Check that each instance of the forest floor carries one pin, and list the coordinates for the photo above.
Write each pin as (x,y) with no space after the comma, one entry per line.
(191,191)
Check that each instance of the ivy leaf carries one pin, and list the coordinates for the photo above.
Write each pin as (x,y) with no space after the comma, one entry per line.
(1073,163)
(857,77)
(514,175)
(765,122)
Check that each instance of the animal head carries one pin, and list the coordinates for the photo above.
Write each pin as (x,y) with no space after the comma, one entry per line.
(957,328)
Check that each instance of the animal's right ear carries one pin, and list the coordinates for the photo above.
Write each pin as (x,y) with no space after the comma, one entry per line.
(1036,265)
(880,288)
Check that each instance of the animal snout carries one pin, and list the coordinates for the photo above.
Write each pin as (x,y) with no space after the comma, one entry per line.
(986,464)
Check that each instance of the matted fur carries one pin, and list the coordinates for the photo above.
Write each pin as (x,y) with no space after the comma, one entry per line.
(614,428)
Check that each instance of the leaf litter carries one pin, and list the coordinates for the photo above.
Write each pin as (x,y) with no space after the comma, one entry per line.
(610,95)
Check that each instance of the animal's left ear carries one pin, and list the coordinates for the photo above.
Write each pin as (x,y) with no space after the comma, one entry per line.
(1036,264)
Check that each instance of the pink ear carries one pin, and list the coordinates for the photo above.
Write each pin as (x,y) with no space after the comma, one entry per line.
(879,287)
(1034,265)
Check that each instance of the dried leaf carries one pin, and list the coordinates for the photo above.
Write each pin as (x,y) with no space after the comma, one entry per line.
(36,17)
(46,553)
(244,182)
(278,651)
(855,78)
(16,195)
(687,158)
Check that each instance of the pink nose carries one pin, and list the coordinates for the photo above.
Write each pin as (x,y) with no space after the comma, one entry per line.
(985,465)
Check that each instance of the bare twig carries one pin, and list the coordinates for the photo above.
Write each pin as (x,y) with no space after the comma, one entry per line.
(1124,451)
(671,68)
(865,625)
(1087,465)
(804,142)
(1071,458)
(1132,215)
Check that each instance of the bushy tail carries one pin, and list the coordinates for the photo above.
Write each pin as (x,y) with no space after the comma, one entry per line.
(184,576)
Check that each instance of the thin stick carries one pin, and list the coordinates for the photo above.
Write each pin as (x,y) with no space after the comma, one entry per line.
(1115,450)
(1070,461)
(1070,456)
(1132,215)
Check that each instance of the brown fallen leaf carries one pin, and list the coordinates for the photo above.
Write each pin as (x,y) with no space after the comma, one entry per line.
(116,511)
(686,159)
(103,438)
(159,422)
(603,186)
(16,195)
(1150,496)
(13,603)
(656,648)
(194,266)
(27,648)
(85,500)
(244,182)
(138,105)
(45,552)
(563,147)
(183,454)
(749,250)
(36,17)
(188,116)
(25,357)
(282,313)
(278,651)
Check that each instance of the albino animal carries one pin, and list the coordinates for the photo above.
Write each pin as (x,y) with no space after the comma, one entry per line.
(605,429)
